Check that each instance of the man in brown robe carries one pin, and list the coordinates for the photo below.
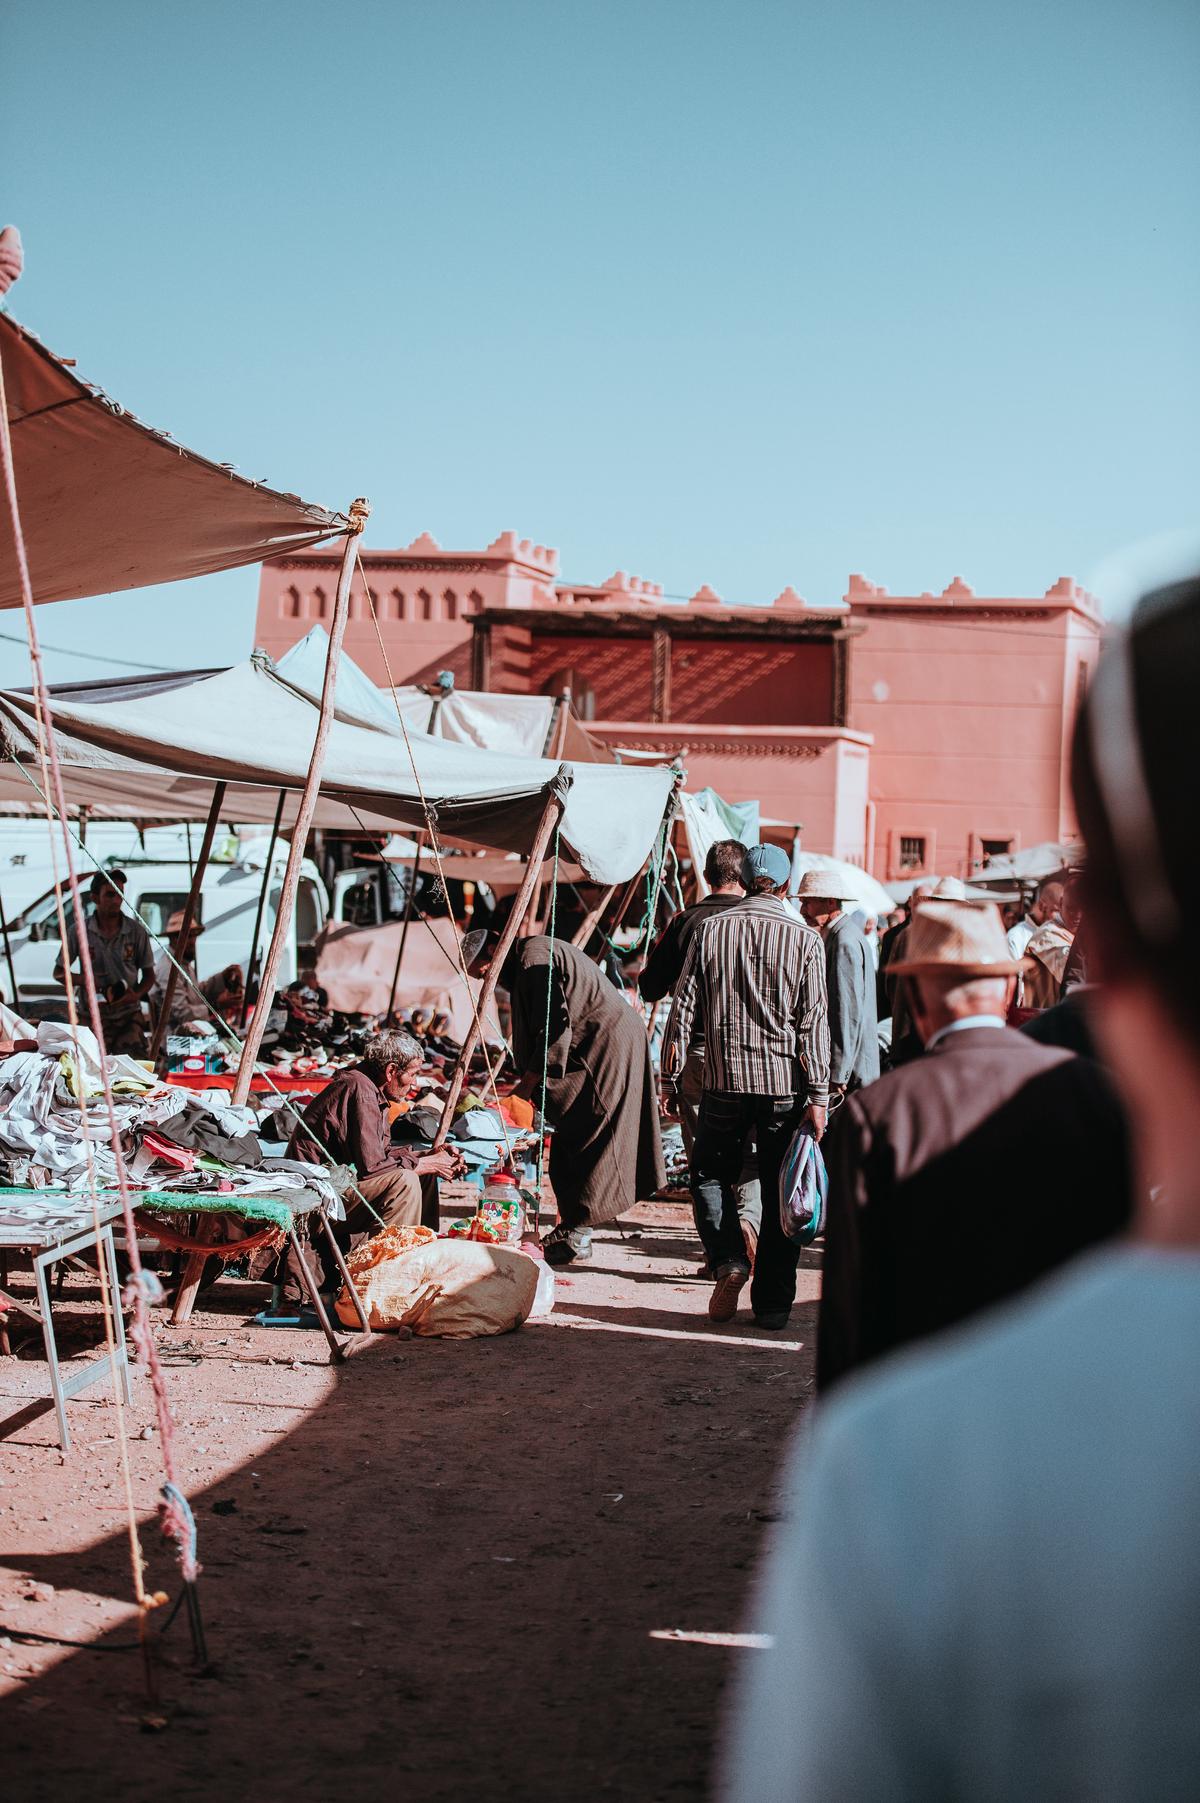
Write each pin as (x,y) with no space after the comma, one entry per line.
(606,1151)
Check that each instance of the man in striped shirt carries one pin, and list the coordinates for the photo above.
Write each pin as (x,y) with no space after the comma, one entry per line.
(753,985)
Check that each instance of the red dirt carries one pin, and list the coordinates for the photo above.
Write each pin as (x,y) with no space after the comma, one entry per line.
(445,1563)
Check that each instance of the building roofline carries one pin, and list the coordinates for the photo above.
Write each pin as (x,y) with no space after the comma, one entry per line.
(643,622)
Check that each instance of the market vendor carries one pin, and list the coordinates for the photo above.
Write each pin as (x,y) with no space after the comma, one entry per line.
(572,1027)
(192,999)
(348,1122)
(122,964)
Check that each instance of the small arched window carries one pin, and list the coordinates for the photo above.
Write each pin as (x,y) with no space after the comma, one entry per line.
(290,606)
(450,602)
(317,607)
(424,604)
(399,605)
(474,601)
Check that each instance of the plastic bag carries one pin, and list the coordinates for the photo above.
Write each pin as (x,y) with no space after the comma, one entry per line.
(803,1189)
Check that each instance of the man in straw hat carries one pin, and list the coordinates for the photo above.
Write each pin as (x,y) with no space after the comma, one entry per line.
(987,1583)
(967,1174)
(849,980)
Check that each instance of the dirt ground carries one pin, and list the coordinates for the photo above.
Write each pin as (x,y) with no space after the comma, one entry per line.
(442,1569)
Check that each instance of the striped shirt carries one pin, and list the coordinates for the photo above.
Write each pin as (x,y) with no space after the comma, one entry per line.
(753,986)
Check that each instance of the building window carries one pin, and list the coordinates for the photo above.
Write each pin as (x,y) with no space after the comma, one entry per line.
(399,605)
(912,851)
(425,603)
(474,601)
(994,848)
(317,606)
(291,607)
(450,600)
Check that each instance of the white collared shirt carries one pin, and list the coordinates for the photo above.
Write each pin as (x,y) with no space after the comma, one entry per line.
(960,1026)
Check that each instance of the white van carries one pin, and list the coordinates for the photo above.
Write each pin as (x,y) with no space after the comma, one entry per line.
(228,903)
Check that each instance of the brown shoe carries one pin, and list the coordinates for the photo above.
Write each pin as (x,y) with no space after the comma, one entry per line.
(723,1303)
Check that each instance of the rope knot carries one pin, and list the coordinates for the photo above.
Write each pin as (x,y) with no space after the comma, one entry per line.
(360,513)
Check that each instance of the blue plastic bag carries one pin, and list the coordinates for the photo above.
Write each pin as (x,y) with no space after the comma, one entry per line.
(803,1189)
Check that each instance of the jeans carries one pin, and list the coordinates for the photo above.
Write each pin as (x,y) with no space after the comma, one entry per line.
(691,1094)
(726,1122)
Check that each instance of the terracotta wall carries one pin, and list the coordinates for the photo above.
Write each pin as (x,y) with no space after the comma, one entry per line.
(970,712)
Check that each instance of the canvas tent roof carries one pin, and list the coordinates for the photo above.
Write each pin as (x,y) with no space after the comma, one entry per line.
(516,723)
(249,727)
(109,504)
(519,724)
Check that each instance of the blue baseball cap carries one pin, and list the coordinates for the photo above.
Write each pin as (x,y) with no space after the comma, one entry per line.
(768,861)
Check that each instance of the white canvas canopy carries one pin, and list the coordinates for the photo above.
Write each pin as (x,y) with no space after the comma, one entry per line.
(248,727)
(109,504)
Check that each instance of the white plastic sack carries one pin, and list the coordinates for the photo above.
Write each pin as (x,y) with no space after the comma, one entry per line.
(455,1289)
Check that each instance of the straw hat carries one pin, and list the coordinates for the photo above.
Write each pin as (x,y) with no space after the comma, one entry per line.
(824,882)
(967,937)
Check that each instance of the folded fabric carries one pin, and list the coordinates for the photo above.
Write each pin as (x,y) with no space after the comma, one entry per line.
(201,1131)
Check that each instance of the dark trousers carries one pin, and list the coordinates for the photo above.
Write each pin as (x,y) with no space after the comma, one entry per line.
(726,1123)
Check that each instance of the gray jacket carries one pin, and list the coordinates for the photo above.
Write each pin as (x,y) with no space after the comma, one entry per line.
(853,1021)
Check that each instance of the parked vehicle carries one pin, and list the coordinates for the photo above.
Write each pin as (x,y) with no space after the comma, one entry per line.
(228,902)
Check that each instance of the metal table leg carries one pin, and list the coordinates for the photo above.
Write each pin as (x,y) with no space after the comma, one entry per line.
(86,1375)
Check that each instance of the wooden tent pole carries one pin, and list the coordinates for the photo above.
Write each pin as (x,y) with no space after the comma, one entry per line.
(409,900)
(8,957)
(556,738)
(587,926)
(359,511)
(190,909)
(547,824)
(258,912)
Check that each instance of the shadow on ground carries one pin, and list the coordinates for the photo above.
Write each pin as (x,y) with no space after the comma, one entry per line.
(444,1581)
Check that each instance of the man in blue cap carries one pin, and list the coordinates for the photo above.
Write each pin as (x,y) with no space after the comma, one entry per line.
(753,986)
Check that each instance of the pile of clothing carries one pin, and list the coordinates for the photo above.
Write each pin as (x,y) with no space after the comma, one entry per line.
(171,1138)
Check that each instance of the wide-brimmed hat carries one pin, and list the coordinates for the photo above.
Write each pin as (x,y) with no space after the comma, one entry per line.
(962,936)
(824,882)
(174,924)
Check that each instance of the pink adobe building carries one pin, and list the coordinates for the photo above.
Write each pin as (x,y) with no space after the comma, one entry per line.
(910,734)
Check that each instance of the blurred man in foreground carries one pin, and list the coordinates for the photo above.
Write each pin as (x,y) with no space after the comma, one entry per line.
(988,1585)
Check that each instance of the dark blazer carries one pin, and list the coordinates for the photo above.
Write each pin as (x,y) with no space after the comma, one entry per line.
(958,1180)
(666,958)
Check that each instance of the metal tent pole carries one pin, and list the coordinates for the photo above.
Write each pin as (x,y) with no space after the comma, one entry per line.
(258,914)
(409,901)
(359,511)
(189,915)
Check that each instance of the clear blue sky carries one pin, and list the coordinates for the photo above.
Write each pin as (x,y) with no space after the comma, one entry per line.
(747,294)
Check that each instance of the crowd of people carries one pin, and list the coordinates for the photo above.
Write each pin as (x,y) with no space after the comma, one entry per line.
(988,1582)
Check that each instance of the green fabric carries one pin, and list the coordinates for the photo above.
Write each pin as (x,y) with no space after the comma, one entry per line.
(250,1208)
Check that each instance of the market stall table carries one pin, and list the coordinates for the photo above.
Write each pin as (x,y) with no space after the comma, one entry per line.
(272,1216)
(53,1226)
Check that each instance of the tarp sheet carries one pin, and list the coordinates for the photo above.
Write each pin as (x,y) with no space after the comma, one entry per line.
(707,818)
(520,724)
(109,504)
(248,727)
(355,965)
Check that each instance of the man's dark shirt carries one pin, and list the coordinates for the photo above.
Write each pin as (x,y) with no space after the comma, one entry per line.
(665,962)
(349,1118)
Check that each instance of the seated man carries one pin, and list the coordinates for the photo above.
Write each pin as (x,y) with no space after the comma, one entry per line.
(349,1121)
(220,995)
